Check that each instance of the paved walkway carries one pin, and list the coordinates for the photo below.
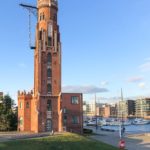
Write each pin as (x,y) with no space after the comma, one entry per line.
(133,142)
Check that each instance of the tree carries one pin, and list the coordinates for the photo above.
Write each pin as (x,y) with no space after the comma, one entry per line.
(8,116)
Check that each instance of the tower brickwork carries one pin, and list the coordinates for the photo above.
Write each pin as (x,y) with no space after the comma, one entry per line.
(45,101)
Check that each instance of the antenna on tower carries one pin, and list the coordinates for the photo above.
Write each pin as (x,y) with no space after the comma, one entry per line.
(32,10)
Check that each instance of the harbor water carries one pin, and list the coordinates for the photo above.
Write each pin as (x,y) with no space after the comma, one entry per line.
(131,129)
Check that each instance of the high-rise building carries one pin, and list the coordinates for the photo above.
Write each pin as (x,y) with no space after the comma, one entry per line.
(143,108)
(126,108)
(41,109)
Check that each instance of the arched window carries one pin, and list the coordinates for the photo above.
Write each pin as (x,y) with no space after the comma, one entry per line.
(49,58)
(49,105)
(49,88)
(21,121)
(27,105)
(49,73)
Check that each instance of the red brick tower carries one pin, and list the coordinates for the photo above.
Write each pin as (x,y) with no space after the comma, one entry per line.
(45,100)
(47,65)
(46,108)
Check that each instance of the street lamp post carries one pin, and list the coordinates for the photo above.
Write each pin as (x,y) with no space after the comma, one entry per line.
(96,113)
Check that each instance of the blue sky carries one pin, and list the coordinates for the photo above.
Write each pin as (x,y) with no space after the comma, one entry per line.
(105,47)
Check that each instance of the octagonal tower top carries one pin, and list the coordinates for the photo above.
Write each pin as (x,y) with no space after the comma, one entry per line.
(41,3)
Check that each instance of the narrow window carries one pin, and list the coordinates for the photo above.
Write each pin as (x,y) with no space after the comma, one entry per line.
(43,16)
(49,73)
(64,120)
(49,105)
(40,35)
(20,105)
(75,120)
(49,41)
(21,121)
(49,58)
(49,88)
(27,105)
(64,110)
(55,17)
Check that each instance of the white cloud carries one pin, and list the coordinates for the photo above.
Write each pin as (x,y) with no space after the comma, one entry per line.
(146,66)
(142,85)
(104,83)
(83,89)
(135,79)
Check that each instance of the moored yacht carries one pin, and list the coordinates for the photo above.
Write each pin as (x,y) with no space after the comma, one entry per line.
(140,121)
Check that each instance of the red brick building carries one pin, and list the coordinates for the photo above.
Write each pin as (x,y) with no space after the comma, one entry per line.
(41,109)
(107,111)
(72,112)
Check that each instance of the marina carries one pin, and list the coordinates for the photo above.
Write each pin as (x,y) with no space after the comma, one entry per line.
(131,126)
(131,129)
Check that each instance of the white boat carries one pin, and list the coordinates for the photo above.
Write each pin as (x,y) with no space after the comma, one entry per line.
(91,123)
(139,121)
(118,123)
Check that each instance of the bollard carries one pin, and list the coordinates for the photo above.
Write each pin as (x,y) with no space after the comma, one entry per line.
(122,144)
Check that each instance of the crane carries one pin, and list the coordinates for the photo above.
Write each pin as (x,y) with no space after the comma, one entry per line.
(32,10)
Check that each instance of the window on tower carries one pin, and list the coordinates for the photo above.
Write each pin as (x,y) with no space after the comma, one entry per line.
(55,17)
(27,105)
(21,121)
(40,35)
(20,105)
(49,72)
(49,41)
(49,88)
(49,105)
(43,16)
(49,58)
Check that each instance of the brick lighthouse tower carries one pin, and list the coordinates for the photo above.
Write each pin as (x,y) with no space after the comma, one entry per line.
(46,109)
(39,110)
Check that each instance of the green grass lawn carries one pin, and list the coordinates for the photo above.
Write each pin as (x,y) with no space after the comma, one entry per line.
(67,141)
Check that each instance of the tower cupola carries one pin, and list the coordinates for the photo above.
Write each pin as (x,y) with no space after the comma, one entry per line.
(42,3)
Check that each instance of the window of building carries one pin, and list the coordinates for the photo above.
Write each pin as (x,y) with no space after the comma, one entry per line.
(49,105)
(21,121)
(20,105)
(75,120)
(49,41)
(55,17)
(40,35)
(64,110)
(49,58)
(49,88)
(64,120)
(43,16)
(40,17)
(27,105)
(75,100)
(49,73)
